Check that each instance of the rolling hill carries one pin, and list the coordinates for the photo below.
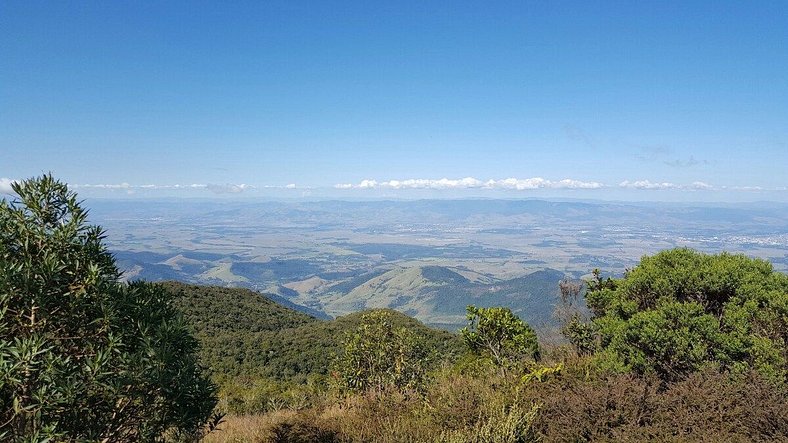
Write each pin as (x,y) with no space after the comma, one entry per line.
(434,294)
(243,332)
(438,295)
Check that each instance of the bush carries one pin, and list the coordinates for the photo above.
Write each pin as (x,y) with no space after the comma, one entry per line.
(379,356)
(705,406)
(83,356)
(680,310)
(499,335)
(575,404)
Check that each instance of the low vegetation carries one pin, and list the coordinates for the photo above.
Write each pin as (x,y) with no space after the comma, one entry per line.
(265,356)
(570,406)
(684,347)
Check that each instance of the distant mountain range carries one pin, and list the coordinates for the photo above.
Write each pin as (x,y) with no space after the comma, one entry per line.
(436,295)
(426,258)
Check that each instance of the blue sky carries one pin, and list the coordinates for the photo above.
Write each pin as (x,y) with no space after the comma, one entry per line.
(610,100)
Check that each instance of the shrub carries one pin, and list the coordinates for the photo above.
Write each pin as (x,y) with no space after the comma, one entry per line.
(379,356)
(500,335)
(680,310)
(705,406)
(83,356)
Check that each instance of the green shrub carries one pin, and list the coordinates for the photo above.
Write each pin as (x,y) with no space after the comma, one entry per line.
(379,355)
(499,335)
(83,356)
(681,310)
(507,425)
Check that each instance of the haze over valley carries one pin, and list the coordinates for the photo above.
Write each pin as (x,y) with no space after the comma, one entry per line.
(426,258)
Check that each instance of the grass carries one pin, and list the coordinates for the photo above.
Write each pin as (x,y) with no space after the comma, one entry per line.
(223,273)
(248,428)
(573,405)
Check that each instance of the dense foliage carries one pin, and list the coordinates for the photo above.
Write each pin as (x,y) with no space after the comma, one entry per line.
(265,356)
(681,310)
(684,347)
(674,351)
(379,356)
(500,335)
(240,332)
(83,356)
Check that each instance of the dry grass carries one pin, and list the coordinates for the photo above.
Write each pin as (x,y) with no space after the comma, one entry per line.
(248,428)
(706,407)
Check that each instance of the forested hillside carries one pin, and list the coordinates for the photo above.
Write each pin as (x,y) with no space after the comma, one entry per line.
(242,332)
(260,352)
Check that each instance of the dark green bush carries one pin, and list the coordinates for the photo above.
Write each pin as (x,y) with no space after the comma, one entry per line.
(83,356)
(681,310)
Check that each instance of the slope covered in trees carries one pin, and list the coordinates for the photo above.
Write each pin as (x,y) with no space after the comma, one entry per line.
(263,354)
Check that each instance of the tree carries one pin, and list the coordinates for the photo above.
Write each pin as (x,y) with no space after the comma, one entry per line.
(572,315)
(681,310)
(500,335)
(82,355)
(379,355)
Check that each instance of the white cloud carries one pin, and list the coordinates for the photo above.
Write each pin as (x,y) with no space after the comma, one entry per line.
(227,188)
(5,185)
(645,184)
(519,184)
(444,183)
(541,183)
(290,186)
(694,186)
(534,183)
(748,188)
(702,186)
(216,188)
(472,183)
(368,184)
(195,186)
(102,186)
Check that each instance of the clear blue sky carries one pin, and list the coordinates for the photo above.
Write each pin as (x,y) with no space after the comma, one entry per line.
(617,96)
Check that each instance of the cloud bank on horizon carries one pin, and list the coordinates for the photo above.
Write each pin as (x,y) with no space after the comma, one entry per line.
(473,183)
(443,184)
(227,188)
(535,183)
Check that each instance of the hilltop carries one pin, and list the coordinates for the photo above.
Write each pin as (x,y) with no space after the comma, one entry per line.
(243,332)
(434,294)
